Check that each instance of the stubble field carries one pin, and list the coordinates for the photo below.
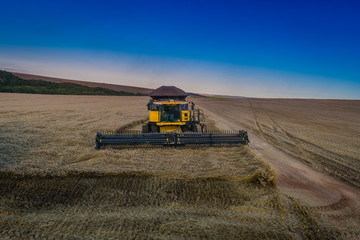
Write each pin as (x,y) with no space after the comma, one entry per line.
(54,184)
(323,134)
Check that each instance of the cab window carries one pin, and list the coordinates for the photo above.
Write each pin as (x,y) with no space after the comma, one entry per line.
(170,113)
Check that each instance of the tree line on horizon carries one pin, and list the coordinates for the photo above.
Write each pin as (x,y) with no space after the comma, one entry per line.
(13,84)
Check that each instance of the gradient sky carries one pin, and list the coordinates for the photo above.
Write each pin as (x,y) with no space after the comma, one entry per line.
(300,49)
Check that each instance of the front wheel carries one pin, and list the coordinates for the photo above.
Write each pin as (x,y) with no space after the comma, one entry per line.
(145,128)
(154,128)
(185,128)
(194,128)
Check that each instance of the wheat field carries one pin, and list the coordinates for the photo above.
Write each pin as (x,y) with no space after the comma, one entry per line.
(55,185)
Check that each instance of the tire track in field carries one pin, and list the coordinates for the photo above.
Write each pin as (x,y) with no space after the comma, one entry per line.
(337,210)
(330,153)
(289,136)
(338,169)
(299,143)
(267,137)
(257,124)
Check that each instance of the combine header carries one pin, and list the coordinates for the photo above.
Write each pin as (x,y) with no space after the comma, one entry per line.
(170,139)
(173,121)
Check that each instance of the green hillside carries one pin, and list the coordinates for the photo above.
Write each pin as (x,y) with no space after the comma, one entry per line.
(13,84)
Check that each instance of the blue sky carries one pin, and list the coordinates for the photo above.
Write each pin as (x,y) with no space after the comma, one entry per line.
(302,49)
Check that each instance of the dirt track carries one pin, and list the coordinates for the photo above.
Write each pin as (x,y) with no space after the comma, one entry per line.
(329,197)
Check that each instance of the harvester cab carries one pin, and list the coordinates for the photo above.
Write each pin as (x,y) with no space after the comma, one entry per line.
(170,111)
(173,121)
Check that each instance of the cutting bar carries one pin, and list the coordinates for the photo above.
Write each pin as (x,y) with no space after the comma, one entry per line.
(170,139)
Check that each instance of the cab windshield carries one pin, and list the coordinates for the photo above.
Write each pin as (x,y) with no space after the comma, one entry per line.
(170,113)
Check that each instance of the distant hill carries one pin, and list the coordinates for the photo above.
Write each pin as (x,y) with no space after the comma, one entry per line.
(11,83)
(221,96)
(114,87)
(195,95)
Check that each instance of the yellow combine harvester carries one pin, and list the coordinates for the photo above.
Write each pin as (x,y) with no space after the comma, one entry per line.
(173,121)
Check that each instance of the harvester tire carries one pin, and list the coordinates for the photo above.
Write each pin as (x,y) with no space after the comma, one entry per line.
(185,129)
(145,128)
(154,128)
(194,128)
